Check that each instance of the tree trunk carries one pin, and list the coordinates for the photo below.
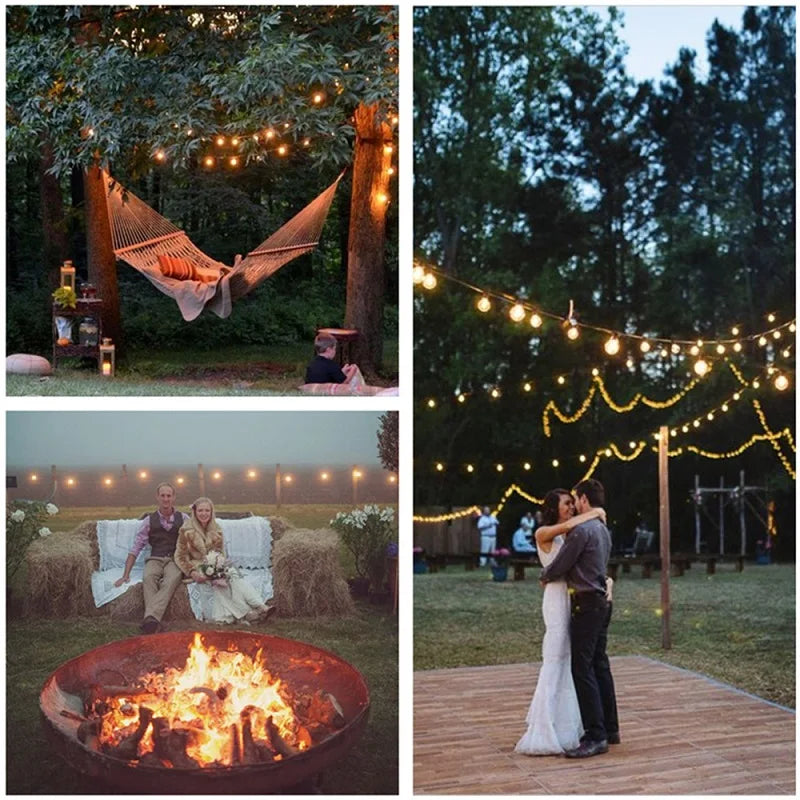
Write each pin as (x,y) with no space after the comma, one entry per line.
(366,275)
(55,246)
(100,254)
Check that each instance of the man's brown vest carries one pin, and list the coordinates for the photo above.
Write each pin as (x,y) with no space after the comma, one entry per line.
(163,541)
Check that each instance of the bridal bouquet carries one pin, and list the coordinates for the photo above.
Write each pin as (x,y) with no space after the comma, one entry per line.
(215,567)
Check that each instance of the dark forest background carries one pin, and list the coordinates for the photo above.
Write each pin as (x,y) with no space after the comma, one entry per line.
(665,208)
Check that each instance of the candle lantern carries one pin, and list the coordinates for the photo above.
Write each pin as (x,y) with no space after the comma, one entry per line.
(68,275)
(107,358)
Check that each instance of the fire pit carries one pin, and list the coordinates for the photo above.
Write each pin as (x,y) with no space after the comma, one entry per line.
(218,712)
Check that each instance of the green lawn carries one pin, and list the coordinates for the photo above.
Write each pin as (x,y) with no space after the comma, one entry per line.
(246,370)
(35,648)
(736,627)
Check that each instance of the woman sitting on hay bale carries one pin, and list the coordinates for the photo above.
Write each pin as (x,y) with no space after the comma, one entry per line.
(199,555)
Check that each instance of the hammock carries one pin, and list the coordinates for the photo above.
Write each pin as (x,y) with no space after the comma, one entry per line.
(153,245)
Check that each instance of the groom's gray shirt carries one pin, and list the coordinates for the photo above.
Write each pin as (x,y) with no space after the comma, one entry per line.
(583,558)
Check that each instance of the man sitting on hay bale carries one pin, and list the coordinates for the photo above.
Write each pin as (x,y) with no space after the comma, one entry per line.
(162,575)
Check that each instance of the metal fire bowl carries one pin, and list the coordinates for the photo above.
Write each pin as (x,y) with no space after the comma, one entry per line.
(297,663)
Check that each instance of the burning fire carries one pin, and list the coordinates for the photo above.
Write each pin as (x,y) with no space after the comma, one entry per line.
(220,708)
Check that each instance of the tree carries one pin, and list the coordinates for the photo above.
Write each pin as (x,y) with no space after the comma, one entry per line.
(388,439)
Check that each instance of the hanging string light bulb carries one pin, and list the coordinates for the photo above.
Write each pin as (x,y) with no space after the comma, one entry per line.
(645,346)
(536,320)
(517,312)
(418,274)
(701,367)
(429,281)
(612,346)
(572,331)
(484,304)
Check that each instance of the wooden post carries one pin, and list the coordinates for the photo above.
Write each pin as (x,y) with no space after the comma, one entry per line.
(354,474)
(201,480)
(125,485)
(742,527)
(696,514)
(722,516)
(278,485)
(663,517)
(54,479)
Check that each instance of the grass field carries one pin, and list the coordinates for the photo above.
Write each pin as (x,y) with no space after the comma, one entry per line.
(736,627)
(34,648)
(245,370)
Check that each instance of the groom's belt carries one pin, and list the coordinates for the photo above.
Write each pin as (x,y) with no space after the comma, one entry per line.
(587,596)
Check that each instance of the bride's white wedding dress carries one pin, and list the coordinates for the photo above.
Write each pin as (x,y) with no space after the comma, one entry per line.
(554,718)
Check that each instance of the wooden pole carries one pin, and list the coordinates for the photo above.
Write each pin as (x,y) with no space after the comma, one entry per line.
(125,485)
(354,474)
(54,479)
(722,516)
(696,513)
(201,480)
(663,517)
(278,485)
(741,510)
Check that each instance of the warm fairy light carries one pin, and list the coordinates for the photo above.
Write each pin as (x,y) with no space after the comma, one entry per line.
(756,383)
(694,350)
(34,477)
(318,97)
(676,348)
(208,161)
(776,334)
(792,327)
(282,150)
(685,429)
(664,352)
(737,347)
(517,312)
(180,481)
(786,353)
(781,383)
(233,161)
(736,395)
(251,473)
(216,476)
(307,142)
(645,346)
(657,437)
(710,416)
(484,304)
(561,380)
(499,467)
(324,476)
(160,155)
(495,393)
(735,330)
(673,432)
(720,349)
(629,363)
(395,119)
(608,452)
(470,468)
(382,198)
(143,474)
(595,372)
(632,445)
(573,333)
(269,135)
(429,281)
(461,397)
(696,423)
(762,340)
(699,342)
(612,346)
(235,141)
(724,407)
(220,140)
(701,367)
(526,466)
(288,478)
(431,403)
(439,466)
(107,481)
(418,274)
(536,320)
(555,462)
(390,170)
(770,318)
(286,125)
(388,149)
(392,479)
(527,387)
(70,481)
(582,458)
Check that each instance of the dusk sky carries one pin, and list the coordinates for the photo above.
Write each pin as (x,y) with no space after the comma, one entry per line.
(87,439)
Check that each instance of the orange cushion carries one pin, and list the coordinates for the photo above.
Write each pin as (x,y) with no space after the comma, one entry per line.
(178,268)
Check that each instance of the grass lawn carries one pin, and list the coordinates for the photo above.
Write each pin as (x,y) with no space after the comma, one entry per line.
(738,628)
(34,648)
(246,370)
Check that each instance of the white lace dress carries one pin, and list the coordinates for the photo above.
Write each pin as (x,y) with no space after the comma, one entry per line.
(554,718)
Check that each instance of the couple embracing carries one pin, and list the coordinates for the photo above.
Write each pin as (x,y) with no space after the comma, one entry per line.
(574,707)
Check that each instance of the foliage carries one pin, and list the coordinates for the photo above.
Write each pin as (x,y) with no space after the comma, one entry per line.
(647,205)
(367,532)
(388,440)
(65,296)
(24,520)
(735,627)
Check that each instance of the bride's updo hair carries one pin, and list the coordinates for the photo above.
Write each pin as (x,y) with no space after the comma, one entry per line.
(550,506)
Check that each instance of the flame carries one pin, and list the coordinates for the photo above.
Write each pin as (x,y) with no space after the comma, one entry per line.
(206,698)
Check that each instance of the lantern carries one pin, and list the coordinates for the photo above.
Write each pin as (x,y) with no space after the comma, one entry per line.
(107,358)
(68,275)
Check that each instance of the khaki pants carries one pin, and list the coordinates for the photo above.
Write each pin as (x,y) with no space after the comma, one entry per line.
(162,577)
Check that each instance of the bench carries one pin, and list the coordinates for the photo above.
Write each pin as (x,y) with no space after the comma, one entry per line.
(711,560)
(439,561)
(679,563)
(521,564)
(647,563)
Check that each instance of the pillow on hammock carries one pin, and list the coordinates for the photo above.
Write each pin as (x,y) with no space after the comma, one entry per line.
(345,389)
(183,270)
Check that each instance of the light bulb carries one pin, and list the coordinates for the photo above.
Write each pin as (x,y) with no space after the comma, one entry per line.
(781,383)
(645,346)
(517,312)
(499,467)
(418,274)
(573,333)
(484,304)
(786,353)
(676,348)
(470,468)
(629,363)
(235,141)
(317,98)
(561,380)
(527,465)
(756,384)
(736,395)
(220,140)
(770,318)
(527,387)
(431,403)
(612,346)
(734,331)
(762,341)
(632,445)
(160,155)
(701,367)
(495,393)
(608,452)
(737,347)
(595,372)
(282,150)
(462,398)
(234,162)
(710,416)
(720,348)
(664,352)
(582,458)
(209,161)
(439,467)
(792,327)
(694,350)
(429,281)
(536,320)
(555,462)
(776,334)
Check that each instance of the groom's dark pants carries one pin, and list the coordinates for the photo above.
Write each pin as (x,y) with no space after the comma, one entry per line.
(591,673)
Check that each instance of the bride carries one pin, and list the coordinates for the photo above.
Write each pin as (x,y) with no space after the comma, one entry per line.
(554,719)
(233,599)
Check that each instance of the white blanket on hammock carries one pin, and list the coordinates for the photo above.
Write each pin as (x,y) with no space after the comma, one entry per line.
(248,545)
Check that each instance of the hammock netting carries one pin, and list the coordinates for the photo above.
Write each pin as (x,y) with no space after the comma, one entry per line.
(140,235)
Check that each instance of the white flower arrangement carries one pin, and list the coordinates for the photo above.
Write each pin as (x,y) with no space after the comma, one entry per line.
(18,515)
(43,532)
(366,532)
(24,520)
(51,509)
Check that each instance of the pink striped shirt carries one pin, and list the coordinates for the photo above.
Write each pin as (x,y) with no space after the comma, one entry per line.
(143,534)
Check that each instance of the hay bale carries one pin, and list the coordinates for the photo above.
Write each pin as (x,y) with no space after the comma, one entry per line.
(279,526)
(307,575)
(129,607)
(59,574)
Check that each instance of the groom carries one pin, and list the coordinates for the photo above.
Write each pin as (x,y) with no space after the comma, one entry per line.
(583,560)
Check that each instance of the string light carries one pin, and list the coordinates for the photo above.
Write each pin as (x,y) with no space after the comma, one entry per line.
(536,320)
(612,346)
(645,346)
(517,312)
(429,281)
(418,273)
(572,332)
(781,383)
(283,150)
(484,304)
(701,367)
